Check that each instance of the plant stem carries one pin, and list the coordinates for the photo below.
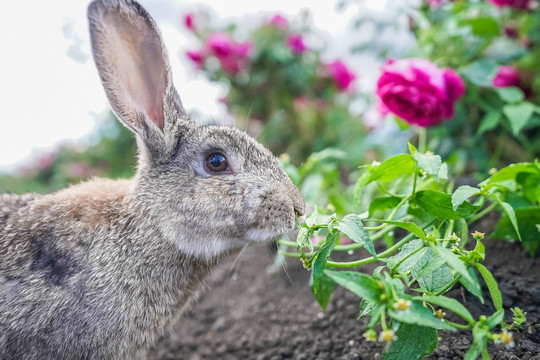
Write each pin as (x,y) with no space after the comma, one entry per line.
(449,229)
(395,210)
(459,326)
(481,213)
(422,137)
(294,255)
(382,255)
(415,176)
(392,271)
(383,320)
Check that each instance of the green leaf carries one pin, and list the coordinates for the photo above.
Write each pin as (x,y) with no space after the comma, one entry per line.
(366,308)
(478,253)
(530,186)
(409,226)
(492,286)
(412,260)
(419,315)
(413,343)
(326,287)
(495,319)
(359,187)
(351,225)
(479,341)
(393,168)
(406,251)
(461,194)
(443,172)
(510,94)
(429,267)
(454,261)
(480,73)
(473,286)
(518,115)
(527,219)
(480,248)
(376,315)
(510,213)
(440,205)
(303,238)
(432,275)
(489,122)
(312,219)
(383,203)
(510,173)
(361,284)
(448,303)
(430,163)
(322,256)
(485,27)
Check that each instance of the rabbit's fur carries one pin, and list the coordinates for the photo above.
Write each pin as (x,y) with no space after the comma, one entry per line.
(100,270)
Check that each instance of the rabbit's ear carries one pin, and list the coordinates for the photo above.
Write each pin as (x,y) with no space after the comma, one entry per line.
(133,66)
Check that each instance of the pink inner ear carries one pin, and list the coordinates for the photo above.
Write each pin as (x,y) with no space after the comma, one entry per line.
(140,66)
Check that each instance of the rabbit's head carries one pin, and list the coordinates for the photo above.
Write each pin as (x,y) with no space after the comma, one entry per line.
(210,189)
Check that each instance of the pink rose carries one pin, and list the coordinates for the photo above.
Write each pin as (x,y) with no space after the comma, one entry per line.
(434,3)
(220,44)
(196,56)
(231,54)
(280,22)
(516,4)
(511,32)
(296,44)
(418,91)
(189,21)
(242,49)
(342,76)
(507,76)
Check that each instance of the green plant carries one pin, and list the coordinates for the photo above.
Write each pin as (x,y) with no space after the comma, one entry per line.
(495,49)
(405,295)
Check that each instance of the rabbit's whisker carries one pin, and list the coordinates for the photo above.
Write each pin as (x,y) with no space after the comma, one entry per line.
(232,273)
(282,261)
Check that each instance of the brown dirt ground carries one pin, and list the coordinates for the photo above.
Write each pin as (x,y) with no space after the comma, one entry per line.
(249,312)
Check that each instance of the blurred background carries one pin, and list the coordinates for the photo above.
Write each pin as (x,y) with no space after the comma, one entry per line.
(300,76)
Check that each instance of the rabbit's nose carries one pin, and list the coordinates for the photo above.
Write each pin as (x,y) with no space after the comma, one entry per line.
(298,201)
(296,197)
(300,207)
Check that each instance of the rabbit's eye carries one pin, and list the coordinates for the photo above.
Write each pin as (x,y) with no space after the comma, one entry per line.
(217,162)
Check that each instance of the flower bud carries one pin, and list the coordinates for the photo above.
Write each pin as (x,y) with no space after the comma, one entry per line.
(370,335)
(477,235)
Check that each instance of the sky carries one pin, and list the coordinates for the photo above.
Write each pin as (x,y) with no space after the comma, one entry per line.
(50,91)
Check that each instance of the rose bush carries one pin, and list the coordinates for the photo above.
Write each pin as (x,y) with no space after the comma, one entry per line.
(507,76)
(494,46)
(279,88)
(516,4)
(418,91)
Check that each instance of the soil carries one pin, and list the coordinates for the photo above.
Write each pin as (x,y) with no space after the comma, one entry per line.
(252,311)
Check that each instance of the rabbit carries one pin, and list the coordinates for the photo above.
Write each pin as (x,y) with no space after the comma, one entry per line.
(102,269)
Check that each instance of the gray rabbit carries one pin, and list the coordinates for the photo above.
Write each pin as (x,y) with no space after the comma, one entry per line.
(102,269)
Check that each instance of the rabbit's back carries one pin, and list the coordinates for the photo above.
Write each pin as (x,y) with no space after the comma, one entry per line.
(11,204)
(53,301)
